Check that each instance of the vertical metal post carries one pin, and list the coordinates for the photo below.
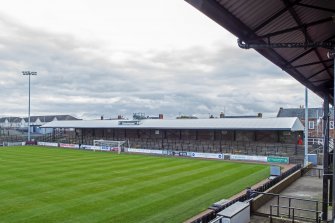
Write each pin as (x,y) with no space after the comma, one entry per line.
(29,111)
(289,207)
(277,205)
(293,215)
(317,123)
(29,74)
(325,194)
(306,127)
(316,212)
(333,185)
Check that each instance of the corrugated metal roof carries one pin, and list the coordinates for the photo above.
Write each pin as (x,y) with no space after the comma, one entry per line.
(314,113)
(289,124)
(285,21)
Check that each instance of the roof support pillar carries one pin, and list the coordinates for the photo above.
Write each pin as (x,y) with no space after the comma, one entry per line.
(325,157)
(333,184)
(306,127)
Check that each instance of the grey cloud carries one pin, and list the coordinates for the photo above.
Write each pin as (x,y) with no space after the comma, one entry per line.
(77,78)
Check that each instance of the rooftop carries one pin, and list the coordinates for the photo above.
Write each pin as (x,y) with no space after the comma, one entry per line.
(314,113)
(289,124)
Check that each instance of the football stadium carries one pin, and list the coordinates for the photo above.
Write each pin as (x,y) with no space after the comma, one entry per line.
(148,170)
(216,170)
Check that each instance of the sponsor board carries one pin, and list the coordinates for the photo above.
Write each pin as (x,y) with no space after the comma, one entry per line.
(182,154)
(150,151)
(177,153)
(53,144)
(278,159)
(207,155)
(248,158)
(90,147)
(108,148)
(66,145)
(115,149)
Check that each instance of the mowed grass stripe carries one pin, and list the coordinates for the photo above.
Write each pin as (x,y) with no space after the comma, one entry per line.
(65,162)
(167,193)
(138,165)
(193,202)
(100,191)
(68,177)
(106,184)
(102,184)
(86,201)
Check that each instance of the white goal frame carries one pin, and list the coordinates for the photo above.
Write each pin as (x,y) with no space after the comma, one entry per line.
(110,144)
(12,143)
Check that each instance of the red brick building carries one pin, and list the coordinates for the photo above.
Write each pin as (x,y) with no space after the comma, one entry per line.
(315,119)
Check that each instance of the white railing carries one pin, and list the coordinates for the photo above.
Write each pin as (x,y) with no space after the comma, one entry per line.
(319,141)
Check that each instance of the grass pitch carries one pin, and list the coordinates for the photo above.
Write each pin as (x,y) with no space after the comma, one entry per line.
(59,185)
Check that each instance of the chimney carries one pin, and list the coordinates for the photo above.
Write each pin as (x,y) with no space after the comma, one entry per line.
(260,115)
(221,115)
(160,116)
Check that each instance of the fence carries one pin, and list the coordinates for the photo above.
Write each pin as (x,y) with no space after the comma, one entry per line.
(319,141)
(314,172)
(292,213)
(290,207)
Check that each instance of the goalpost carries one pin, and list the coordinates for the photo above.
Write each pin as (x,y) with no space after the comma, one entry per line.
(110,145)
(12,143)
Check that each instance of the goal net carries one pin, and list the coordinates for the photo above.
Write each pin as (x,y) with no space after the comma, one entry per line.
(110,145)
(12,144)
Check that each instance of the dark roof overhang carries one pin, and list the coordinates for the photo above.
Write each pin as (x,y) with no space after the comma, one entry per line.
(304,31)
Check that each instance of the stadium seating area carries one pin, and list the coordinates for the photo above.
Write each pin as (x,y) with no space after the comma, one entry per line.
(295,152)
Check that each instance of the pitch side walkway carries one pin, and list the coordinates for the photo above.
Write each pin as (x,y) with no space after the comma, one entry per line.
(306,187)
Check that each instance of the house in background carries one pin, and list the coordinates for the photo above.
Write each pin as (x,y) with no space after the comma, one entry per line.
(11,122)
(35,122)
(315,119)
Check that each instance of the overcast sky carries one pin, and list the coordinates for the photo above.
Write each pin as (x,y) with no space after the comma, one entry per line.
(108,57)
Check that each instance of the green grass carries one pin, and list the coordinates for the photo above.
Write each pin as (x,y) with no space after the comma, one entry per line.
(60,185)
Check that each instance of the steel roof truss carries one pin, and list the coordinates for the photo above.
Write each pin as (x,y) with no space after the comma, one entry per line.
(309,51)
(316,7)
(299,27)
(306,35)
(320,71)
(310,64)
(327,45)
(275,16)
